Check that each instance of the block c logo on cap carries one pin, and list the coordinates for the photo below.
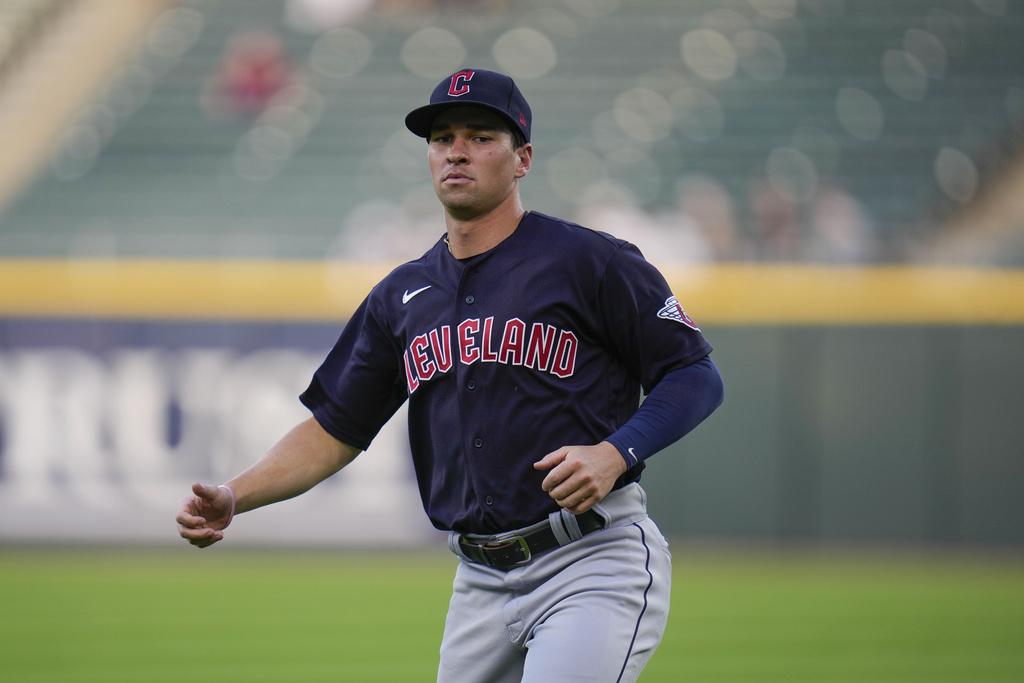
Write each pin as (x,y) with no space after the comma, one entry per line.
(460,84)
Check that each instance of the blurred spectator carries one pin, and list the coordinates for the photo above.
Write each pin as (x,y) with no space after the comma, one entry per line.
(841,229)
(665,240)
(381,230)
(254,68)
(710,206)
(775,223)
(317,16)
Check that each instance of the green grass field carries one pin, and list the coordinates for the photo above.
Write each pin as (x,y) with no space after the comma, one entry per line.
(226,615)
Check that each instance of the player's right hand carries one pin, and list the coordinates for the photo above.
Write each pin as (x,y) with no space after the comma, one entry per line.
(579,477)
(203,515)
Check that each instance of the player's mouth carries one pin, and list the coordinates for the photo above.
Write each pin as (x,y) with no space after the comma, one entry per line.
(456,177)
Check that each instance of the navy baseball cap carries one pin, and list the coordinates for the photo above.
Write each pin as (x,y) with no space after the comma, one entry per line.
(474,88)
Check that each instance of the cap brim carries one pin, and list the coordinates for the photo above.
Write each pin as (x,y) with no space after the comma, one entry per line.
(421,120)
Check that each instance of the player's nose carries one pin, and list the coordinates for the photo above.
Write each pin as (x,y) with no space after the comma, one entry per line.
(458,150)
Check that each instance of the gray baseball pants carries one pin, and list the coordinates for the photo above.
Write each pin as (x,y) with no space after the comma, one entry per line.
(591,611)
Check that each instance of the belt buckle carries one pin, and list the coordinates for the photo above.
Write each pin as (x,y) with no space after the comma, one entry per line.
(509,548)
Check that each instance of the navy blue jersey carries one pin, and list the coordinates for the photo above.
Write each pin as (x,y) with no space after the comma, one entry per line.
(542,342)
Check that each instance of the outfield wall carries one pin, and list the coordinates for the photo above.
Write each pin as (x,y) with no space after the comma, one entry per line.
(892,433)
(880,404)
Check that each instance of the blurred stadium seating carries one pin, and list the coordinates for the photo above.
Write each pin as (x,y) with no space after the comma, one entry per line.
(729,130)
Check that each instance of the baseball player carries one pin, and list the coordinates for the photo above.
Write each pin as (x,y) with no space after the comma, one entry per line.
(522,343)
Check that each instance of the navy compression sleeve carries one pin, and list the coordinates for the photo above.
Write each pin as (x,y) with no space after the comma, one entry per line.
(678,403)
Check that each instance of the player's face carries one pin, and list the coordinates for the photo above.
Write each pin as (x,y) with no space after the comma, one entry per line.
(473,162)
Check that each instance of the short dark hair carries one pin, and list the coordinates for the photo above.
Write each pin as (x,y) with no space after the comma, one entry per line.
(518,137)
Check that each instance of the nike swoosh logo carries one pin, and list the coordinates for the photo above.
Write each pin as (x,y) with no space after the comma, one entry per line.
(636,459)
(407,297)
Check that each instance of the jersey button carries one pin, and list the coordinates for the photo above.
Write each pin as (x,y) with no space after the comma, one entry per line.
(471,384)
(479,443)
(470,299)
(489,500)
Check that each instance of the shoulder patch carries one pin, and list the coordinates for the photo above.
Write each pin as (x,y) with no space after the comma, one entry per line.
(673,310)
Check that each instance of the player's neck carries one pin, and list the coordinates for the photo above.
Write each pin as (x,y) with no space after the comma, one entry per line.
(473,236)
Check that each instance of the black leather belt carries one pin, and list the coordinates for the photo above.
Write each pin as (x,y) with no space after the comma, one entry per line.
(512,551)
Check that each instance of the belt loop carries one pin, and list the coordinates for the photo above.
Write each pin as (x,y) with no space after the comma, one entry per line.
(558,528)
(572,525)
(453,545)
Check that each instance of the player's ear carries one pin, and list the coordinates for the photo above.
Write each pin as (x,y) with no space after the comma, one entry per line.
(525,155)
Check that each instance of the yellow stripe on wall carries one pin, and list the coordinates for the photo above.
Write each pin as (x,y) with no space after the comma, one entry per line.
(742,295)
(307,291)
(171,289)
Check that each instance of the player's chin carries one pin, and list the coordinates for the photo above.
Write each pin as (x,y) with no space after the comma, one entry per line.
(456,194)
(461,205)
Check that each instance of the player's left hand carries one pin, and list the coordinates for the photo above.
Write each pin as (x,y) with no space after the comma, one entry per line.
(581,476)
